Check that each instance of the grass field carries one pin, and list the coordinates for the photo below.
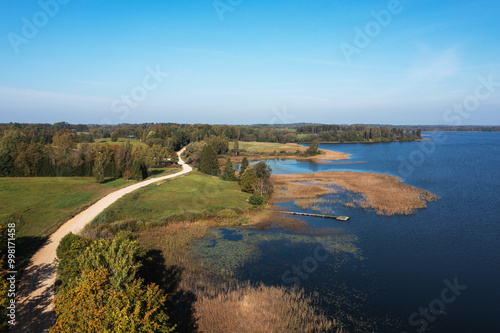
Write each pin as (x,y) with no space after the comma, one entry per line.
(121,141)
(268,147)
(41,204)
(194,193)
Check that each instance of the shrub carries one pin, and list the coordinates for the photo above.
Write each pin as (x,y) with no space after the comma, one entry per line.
(257,199)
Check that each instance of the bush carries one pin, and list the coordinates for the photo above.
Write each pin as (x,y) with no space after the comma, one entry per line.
(257,199)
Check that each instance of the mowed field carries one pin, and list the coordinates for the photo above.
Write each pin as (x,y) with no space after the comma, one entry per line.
(39,205)
(195,192)
(268,147)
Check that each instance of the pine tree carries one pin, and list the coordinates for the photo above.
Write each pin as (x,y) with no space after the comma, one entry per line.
(228,173)
(139,170)
(243,166)
(236,148)
(209,163)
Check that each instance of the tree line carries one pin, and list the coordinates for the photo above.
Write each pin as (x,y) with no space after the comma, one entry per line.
(57,153)
(356,133)
(64,149)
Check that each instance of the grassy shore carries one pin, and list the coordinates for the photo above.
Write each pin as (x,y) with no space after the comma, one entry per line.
(195,196)
(256,151)
(383,193)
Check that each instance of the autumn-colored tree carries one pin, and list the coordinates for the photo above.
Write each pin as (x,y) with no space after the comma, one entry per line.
(312,150)
(94,305)
(119,256)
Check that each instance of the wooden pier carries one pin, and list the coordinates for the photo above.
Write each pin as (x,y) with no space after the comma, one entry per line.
(338,218)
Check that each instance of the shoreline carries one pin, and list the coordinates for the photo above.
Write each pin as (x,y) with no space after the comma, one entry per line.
(385,194)
(328,155)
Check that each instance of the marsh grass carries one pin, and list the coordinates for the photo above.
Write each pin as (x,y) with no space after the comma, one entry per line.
(261,309)
(202,299)
(383,193)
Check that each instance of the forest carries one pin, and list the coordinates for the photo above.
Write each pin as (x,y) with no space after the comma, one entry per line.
(128,150)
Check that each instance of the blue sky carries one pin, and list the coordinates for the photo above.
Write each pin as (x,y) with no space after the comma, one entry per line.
(250,61)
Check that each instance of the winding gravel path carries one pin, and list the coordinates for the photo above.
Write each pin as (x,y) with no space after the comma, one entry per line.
(34,308)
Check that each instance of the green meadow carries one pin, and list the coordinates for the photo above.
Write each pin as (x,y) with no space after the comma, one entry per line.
(193,193)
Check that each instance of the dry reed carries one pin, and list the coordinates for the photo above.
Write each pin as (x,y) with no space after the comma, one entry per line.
(383,193)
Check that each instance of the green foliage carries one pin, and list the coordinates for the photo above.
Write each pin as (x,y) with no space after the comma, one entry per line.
(114,136)
(94,305)
(98,170)
(69,249)
(119,256)
(263,172)
(257,199)
(192,154)
(209,163)
(248,181)
(244,165)
(219,143)
(139,170)
(236,148)
(228,173)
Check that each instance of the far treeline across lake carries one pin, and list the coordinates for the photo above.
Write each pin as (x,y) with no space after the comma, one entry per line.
(128,150)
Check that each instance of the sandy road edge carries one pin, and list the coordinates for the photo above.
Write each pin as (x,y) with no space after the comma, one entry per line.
(36,289)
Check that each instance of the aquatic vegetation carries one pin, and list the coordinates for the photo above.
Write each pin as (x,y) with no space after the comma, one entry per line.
(227,250)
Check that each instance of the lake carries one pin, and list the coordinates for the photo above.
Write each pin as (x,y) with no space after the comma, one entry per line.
(434,271)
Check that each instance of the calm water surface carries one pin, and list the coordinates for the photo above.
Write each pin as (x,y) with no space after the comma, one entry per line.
(406,259)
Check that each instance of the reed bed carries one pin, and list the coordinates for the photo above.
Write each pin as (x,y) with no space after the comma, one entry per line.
(261,309)
(387,195)
(203,300)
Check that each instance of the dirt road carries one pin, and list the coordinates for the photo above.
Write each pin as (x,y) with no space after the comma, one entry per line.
(34,309)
